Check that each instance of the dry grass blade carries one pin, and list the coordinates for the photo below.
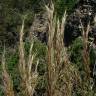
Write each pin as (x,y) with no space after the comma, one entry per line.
(22,53)
(63,23)
(29,77)
(8,84)
(30,59)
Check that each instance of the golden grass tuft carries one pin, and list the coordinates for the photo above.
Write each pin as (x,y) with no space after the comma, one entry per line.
(61,73)
(29,78)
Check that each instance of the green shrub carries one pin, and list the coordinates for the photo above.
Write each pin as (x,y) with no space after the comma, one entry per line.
(76,53)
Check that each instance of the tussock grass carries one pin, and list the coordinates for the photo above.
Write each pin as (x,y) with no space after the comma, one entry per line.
(29,77)
(61,74)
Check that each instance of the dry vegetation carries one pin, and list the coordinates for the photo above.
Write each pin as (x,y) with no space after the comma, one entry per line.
(29,78)
(62,77)
(86,60)
(7,81)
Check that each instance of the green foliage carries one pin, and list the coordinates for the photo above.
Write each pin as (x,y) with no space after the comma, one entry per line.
(41,86)
(12,64)
(62,5)
(92,55)
(76,52)
(1,92)
(38,48)
(76,56)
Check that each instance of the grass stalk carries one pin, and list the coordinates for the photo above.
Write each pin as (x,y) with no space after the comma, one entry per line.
(7,81)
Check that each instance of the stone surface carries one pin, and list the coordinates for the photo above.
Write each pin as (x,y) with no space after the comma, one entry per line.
(85,11)
(39,27)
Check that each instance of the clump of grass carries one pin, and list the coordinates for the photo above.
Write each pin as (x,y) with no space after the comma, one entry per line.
(85,50)
(7,81)
(86,81)
(61,76)
(29,77)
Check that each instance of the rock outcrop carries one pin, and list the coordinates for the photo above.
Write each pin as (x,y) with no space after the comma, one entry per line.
(39,27)
(84,10)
